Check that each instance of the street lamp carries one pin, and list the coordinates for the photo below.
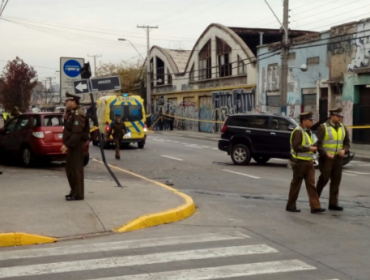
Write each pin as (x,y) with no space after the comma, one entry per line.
(122,39)
(303,67)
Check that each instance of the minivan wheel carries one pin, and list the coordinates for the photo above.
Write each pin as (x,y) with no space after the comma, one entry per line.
(261,160)
(86,159)
(241,154)
(28,158)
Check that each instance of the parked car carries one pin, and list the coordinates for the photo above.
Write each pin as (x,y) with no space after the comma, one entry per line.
(260,136)
(35,137)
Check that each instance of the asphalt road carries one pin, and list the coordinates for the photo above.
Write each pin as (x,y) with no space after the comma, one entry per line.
(241,229)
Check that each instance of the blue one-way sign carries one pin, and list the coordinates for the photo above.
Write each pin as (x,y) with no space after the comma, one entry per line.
(81,86)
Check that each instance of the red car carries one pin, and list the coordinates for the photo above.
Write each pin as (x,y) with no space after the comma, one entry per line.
(35,137)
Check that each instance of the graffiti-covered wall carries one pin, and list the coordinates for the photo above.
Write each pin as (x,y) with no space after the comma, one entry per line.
(202,111)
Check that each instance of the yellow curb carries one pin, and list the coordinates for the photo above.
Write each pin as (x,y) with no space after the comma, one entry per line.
(21,239)
(165,217)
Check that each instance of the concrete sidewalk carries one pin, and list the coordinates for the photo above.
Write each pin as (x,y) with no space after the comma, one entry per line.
(360,154)
(33,201)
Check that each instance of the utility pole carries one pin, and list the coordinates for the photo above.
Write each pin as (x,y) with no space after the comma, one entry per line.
(51,87)
(94,56)
(284,59)
(148,82)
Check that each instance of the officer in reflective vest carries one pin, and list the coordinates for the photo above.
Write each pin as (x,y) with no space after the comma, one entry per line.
(333,143)
(302,149)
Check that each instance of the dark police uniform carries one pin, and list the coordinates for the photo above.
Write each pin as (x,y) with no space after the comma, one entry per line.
(331,138)
(118,130)
(75,134)
(303,168)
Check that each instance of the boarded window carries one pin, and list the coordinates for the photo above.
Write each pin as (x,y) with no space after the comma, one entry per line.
(313,60)
(291,56)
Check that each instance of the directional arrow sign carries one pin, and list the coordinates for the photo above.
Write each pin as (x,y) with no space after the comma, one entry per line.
(105,84)
(81,86)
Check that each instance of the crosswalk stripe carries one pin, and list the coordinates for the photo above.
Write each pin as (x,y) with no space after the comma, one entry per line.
(114,262)
(222,272)
(121,245)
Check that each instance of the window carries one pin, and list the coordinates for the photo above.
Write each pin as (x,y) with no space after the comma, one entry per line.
(313,60)
(259,122)
(160,72)
(52,121)
(205,62)
(291,56)
(280,124)
(11,125)
(22,124)
(239,121)
(223,55)
(151,71)
(191,74)
(169,77)
(241,66)
(130,113)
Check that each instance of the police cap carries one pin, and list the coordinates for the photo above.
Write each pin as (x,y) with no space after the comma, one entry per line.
(336,111)
(72,96)
(306,116)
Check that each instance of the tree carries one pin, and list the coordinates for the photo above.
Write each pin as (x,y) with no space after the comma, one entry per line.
(129,73)
(19,79)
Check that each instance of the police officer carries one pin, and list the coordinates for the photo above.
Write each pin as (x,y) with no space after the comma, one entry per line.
(118,129)
(333,143)
(75,134)
(302,149)
(15,112)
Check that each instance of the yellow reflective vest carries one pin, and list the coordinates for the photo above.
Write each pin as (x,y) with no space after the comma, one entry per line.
(306,142)
(333,140)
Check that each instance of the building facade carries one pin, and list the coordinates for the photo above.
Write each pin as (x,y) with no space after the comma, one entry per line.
(216,78)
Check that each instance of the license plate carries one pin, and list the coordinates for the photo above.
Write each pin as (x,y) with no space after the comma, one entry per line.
(60,135)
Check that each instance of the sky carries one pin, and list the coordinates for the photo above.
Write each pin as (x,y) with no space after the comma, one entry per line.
(42,31)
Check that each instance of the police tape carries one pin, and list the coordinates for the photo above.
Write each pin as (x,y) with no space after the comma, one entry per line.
(194,120)
(209,121)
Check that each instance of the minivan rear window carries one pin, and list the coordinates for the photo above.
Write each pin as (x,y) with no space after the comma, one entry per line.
(48,121)
(129,113)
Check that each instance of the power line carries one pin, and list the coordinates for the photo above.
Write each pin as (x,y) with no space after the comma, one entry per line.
(95,30)
(341,22)
(341,15)
(330,10)
(176,13)
(76,37)
(2,10)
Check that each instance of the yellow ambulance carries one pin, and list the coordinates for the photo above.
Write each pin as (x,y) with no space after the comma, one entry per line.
(131,108)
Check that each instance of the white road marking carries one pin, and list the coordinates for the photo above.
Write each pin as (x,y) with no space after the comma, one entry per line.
(214,148)
(349,174)
(359,173)
(193,146)
(362,165)
(133,260)
(205,147)
(120,245)
(279,159)
(222,272)
(243,174)
(179,159)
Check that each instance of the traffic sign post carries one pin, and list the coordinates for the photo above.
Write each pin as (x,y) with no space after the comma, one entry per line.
(85,86)
(70,68)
